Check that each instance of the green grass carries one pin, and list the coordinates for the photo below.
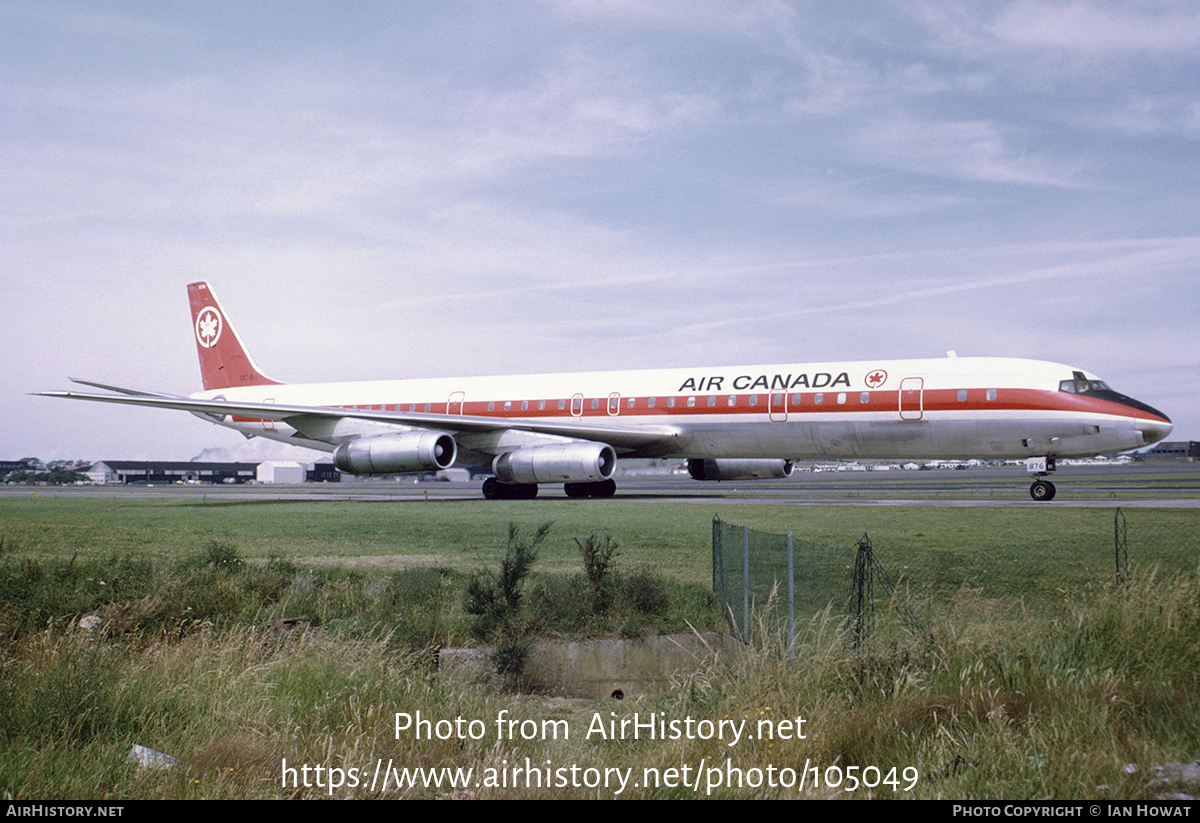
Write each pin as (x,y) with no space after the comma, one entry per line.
(672,536)
(1044,680)
(1026,555)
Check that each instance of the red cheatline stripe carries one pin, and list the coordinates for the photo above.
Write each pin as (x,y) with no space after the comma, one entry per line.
(933,400)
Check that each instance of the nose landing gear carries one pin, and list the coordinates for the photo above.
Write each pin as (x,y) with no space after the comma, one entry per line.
(1041,490)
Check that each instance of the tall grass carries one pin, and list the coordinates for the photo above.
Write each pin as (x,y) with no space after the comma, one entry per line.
(234,667)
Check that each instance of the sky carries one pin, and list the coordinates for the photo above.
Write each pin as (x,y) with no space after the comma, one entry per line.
(411,189)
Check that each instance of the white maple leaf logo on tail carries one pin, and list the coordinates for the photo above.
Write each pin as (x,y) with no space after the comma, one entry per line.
(208,327)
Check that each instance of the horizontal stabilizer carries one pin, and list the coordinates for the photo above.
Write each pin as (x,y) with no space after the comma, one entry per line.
(122,390)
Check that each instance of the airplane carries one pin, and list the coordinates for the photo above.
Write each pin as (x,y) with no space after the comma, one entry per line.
(727,422)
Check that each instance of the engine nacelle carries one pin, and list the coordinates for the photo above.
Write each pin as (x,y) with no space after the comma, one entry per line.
(416,451)
(735,469)
(566,463)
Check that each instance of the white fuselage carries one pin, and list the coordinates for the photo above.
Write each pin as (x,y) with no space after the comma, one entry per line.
(995,408)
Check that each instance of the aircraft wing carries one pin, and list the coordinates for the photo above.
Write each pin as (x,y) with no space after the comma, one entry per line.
(318,417)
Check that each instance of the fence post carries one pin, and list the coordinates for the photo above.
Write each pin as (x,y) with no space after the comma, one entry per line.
(718,570)
(863,597)
(1120,548)
(791,598)
(746,582)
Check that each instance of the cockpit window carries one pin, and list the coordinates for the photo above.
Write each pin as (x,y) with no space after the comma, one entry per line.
(1079,384)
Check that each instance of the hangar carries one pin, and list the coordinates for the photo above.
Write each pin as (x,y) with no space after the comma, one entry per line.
(165,471)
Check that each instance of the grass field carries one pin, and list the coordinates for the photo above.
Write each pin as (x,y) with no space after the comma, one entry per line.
(994,547)
(1044,679)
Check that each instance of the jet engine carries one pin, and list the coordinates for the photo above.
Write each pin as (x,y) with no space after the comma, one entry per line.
(569,462)
(415,451)
(734,469)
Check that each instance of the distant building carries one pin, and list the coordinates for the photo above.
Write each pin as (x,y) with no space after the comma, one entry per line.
(29,464)
(163,471)
(1185,451)
(322,472)
(280,471)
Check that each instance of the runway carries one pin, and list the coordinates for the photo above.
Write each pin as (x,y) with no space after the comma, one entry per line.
(1173,485)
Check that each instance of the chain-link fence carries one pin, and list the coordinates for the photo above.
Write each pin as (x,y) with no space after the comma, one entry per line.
(1034,567)
(751,568)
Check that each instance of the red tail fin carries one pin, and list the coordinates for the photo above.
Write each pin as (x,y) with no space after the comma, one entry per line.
(224,361)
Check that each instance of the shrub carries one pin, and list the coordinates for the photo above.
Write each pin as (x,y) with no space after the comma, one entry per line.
(643,592)
(496,603)
(598,565)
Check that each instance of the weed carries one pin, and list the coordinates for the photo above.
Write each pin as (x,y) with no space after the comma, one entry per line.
(279,565)
(221,556)
(496,603)
(644,592)
(599,560)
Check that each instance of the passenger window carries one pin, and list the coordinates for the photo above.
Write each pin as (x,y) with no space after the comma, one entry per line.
(670,402)
(991,394)
(650,403)
(962,395)
(819,398)
(712,400)
(754,400)
(841,397)
(691,401)
(796,399)
(865,397)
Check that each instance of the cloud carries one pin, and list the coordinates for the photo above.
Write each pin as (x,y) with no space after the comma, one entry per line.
(967,149)
(868,198)
(1153,115)
(1099,28)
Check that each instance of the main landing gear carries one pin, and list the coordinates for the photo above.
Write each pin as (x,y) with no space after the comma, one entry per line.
(604,488)
(493,489)
(1041,490)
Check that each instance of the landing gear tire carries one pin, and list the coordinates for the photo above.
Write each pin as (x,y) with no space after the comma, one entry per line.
(522,491)
(604,488)
(1042,491)
(493,489)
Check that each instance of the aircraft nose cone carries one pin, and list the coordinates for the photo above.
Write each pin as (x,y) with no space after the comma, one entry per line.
(1153,431)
